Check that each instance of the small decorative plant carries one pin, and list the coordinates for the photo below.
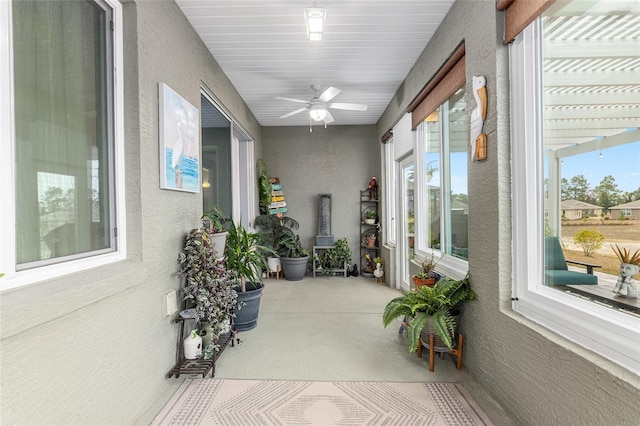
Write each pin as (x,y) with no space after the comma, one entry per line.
(629,267)
(434,305)
(369,237)
(428,268)
(626,256)
(334,258)
(370,214)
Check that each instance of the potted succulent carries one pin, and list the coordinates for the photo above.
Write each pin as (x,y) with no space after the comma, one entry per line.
(431,311)
(629,267)
(217,223)
(428,275)
(207,285)
(369,237)
(370,217)
(333,259)
(244,256)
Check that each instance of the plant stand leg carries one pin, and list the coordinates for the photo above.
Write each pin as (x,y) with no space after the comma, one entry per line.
(459,352)
(431,353)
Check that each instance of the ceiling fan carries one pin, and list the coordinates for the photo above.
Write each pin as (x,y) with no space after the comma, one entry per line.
(318,105)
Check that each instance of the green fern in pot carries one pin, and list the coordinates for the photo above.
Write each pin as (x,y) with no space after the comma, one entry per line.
(434,305)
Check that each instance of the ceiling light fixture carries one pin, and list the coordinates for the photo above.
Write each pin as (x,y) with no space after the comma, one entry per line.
(314,17)
(317,112)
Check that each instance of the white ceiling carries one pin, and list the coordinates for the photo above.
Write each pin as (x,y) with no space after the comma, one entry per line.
(367,51)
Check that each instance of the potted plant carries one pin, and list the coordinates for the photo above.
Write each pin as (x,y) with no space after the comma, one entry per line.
(336,258)
(264,186)
(629,267)
(294,257)
(369,238)
(278,234)
(207,285)
(370,217)
(273,230)
(217,223)
(244,255)
(431,310)
(428,275)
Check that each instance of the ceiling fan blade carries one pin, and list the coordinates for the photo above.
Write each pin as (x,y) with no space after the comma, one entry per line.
(347,106)
(329,94)
(298,111)
(328,118)
(291,100)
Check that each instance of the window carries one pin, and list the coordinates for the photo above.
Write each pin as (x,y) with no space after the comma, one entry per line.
(444,206)
(575,156)
(62,125)
(390,193)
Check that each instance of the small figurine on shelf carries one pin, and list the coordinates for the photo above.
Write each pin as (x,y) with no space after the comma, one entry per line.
(378,272)
(373,189)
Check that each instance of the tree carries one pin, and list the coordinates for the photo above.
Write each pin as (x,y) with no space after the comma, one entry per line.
(576,189)
(52,200)
(590,240)
(628,197)
(607,193)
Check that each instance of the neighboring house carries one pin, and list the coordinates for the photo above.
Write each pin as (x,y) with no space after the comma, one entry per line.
(575,209)
(628,210)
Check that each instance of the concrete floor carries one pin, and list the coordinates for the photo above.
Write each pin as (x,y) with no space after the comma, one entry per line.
(330,329)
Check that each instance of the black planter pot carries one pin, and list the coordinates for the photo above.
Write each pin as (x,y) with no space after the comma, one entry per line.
(247,316)
(294,268)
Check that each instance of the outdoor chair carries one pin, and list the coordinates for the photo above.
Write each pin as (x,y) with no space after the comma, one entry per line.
(556,270)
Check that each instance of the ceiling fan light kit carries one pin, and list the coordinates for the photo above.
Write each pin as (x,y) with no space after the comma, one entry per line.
(317,106)
(314,17)
(317,112)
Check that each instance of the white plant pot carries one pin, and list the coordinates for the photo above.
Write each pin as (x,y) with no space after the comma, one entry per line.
(219,239)
(274,264)
(193,347)
(370,221)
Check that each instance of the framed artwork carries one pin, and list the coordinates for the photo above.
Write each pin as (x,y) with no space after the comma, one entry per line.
(179,142)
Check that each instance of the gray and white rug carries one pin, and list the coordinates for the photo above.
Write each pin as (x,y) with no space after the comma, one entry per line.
(274,402)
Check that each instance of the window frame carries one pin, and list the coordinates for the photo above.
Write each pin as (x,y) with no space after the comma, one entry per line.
(602,330)
(447,264)
(390,182)
(14,278)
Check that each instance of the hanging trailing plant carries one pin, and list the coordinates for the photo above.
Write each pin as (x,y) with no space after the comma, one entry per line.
(206,282)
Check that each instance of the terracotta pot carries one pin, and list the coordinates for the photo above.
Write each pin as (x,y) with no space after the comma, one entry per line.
(371,241)
(419,282)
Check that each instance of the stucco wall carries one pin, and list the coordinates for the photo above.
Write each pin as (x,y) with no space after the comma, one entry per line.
(539,377)
(338,160)
(93,347)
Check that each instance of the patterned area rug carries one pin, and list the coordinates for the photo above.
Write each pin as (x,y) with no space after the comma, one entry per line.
(273,402)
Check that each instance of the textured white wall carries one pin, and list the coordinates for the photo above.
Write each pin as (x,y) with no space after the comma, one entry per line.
(338,160)
(539,377)
(93,347)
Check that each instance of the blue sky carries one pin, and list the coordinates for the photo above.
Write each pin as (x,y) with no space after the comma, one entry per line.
(622,162)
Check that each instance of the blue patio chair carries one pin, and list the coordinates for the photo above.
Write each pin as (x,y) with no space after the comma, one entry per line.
(556,271)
